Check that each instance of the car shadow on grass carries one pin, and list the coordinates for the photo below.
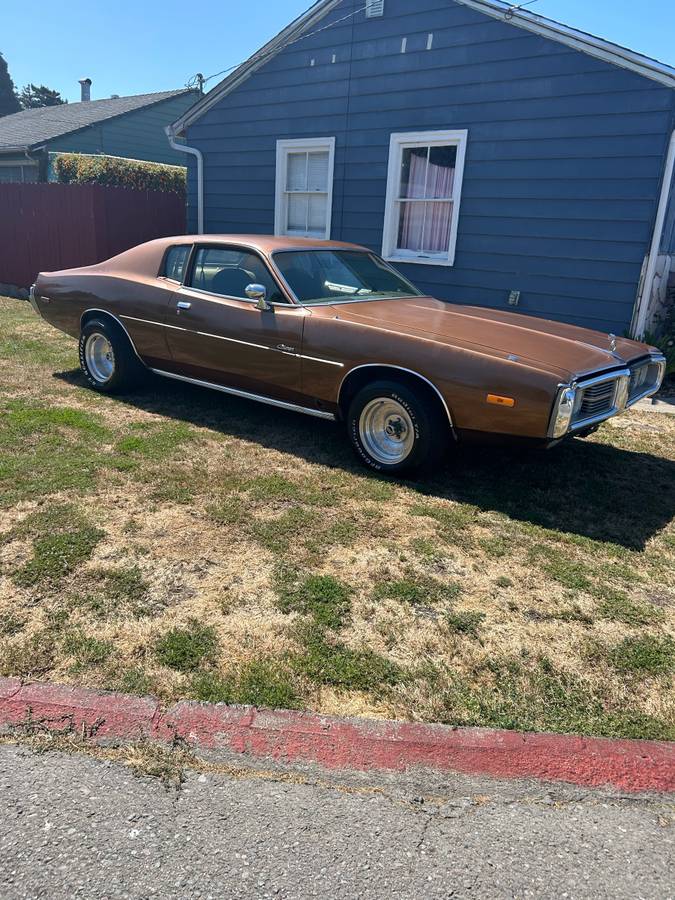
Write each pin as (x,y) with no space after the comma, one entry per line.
(593,490)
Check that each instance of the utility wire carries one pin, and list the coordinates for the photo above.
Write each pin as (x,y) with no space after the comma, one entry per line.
(199,80)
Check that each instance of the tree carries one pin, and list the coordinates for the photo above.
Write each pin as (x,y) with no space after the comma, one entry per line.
(8,99)
(33,96)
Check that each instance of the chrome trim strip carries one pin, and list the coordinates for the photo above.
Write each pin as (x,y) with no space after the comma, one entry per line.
(328,362)
(246,395)
(216,298)
(400,369)
(218,337)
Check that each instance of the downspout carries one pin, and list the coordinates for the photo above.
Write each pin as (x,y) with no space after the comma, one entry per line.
(183,148)
(642,305)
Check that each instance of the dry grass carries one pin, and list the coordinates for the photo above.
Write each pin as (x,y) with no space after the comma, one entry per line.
(514,588)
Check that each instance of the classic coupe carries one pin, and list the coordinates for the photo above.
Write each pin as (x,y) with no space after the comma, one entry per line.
(332,330)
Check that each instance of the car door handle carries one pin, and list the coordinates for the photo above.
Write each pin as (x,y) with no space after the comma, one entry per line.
(183,304)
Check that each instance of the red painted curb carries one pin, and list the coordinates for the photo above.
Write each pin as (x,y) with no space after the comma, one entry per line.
(344,743)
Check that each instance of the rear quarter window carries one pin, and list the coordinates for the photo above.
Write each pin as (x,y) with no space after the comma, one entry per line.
(175,261)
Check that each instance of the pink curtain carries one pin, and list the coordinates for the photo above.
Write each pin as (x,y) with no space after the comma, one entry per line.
(432,234)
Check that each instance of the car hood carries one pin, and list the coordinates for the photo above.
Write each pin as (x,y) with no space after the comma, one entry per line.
(559,348)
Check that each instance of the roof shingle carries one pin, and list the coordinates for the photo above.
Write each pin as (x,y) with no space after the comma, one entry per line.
(32,127)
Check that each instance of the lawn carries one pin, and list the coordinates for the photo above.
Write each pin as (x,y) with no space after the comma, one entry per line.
(181,543)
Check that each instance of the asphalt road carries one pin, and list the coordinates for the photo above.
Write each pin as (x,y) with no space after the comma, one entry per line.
(75,827)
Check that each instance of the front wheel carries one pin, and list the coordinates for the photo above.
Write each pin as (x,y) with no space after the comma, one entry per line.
(107,358)
(396,428)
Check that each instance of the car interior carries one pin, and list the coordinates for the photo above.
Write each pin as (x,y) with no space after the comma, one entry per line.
(229,272)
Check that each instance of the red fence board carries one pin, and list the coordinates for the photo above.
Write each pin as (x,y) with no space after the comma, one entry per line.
(46,227)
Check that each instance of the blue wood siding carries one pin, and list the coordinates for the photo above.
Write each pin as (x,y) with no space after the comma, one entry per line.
(564,158)
(135,135)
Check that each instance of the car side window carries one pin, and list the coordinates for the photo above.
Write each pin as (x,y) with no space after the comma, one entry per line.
(230,272)
(175,262)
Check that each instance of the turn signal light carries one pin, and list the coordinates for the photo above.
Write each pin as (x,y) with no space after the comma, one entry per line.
(500,401)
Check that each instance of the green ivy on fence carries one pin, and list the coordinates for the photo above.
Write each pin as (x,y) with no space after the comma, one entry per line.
(79,168)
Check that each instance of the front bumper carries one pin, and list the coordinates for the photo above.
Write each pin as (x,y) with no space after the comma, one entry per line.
(600,397)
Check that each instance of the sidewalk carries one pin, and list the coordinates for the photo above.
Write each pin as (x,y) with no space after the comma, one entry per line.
(76,827)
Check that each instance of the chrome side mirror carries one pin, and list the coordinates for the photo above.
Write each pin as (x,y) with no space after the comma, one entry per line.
(258,292)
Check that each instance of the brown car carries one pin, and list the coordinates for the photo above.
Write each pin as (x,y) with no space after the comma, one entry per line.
(331,330)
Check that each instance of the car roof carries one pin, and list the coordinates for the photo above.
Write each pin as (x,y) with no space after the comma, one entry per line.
(263,242)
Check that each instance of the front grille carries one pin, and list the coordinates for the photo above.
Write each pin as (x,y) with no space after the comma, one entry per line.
(596,400)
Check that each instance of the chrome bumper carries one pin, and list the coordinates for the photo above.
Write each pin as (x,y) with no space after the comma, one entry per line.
(600,397)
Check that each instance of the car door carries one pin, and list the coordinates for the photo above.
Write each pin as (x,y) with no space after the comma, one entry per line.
(142,304)
(216,334)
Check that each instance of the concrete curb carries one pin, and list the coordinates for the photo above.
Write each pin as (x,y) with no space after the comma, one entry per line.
(334,743)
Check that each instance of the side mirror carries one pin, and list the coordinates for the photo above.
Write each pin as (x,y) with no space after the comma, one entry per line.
(258,292)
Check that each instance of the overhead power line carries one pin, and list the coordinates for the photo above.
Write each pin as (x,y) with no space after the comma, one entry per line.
(198,81)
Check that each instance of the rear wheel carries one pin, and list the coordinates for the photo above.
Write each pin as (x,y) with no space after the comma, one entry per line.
(396,428)
(107,357)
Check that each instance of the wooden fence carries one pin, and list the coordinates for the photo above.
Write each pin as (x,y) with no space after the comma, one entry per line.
(47,227)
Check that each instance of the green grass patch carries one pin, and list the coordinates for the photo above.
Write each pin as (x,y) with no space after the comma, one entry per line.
(44,450)
(62,541)
(185,649)
(466,622)
(263,683)
(333,663)
(537,697)
(556,564)
(230,510)
(453,520)
(288,529)
(86,650)
(417,591)
(618,607)
(10,625)
(155,442)
(325,598)
(647,655)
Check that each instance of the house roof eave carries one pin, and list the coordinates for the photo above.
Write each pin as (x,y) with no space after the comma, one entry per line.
(521,18)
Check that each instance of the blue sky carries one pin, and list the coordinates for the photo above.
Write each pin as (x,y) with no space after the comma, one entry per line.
(137,46)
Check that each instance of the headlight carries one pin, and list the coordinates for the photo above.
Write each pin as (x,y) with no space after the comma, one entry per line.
(562,415)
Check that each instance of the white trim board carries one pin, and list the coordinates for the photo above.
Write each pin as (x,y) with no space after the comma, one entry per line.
(519,18)
(290,145)
(398,142)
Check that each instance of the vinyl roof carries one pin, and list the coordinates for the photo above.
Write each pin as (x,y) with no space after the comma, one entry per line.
(32,127)
(521,18)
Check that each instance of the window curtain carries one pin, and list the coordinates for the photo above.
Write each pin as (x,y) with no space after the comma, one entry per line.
(424,225)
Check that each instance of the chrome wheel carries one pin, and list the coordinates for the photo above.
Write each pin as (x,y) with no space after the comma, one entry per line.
(387,431)
(100,358)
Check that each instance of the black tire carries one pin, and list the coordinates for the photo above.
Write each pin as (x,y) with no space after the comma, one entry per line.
(126,370)
(422,432)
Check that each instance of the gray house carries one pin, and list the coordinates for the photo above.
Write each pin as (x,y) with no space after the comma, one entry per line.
(131,127)
(496,157)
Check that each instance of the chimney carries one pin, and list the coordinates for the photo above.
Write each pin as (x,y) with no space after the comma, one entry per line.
(85,88)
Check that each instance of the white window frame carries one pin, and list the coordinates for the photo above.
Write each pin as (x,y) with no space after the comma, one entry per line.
(404,141)
(284,148)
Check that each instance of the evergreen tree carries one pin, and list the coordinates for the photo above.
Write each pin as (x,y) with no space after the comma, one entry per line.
(33,96)
(8,100)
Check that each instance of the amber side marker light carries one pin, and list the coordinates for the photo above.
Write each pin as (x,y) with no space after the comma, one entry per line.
(496,400)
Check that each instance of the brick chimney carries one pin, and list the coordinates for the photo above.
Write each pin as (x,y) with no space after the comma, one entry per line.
(85,89)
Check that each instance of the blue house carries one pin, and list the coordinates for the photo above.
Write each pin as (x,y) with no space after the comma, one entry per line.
(131,127)
(496,157)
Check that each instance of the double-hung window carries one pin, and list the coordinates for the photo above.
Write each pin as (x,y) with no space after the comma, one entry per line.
(424,188)
(304,187)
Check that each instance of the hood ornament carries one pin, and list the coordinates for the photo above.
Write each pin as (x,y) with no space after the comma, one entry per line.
(612,343)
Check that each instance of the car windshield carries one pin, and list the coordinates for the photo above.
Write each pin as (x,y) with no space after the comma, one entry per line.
(332,276)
